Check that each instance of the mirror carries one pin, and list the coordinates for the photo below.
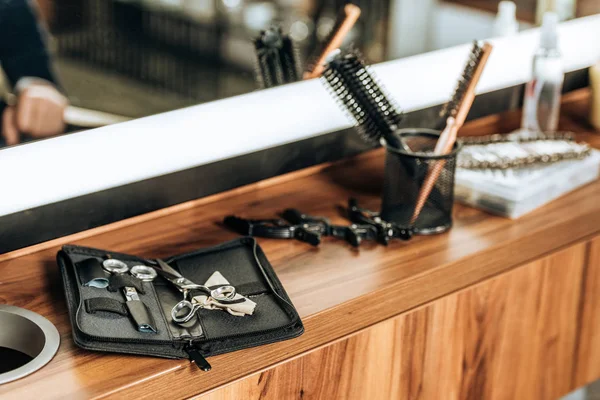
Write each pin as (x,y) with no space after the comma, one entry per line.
(116,60)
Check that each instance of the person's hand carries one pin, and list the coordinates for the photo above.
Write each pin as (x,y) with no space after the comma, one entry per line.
(39,111)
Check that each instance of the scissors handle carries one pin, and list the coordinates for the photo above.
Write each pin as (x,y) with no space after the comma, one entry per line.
(221,294)
(184,311)
(224,294)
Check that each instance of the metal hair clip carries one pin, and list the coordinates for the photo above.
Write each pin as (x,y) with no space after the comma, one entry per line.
(385,230)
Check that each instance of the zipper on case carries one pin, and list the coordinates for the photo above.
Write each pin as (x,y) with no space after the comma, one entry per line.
(197,358)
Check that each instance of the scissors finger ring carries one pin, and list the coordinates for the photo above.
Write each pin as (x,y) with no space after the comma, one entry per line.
(183,311)
(223,294)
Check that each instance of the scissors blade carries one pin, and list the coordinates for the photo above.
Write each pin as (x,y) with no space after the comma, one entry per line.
(175,277)
(166,269)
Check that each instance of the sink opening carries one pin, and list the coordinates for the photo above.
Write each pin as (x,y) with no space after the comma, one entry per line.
(28,341)
(11,359)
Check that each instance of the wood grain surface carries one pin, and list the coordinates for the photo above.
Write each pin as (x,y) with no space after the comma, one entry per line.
(517,336)
(329,285)
(588,321)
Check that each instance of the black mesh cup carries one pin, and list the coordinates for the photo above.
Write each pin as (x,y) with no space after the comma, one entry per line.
(407,164)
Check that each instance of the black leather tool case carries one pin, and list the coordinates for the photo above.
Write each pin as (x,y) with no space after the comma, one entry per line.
(101,322)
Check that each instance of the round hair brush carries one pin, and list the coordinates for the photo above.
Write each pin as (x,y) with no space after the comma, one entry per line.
(359,93)
(276,59)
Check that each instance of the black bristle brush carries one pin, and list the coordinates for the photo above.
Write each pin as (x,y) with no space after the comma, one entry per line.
(360,94)
(276,60)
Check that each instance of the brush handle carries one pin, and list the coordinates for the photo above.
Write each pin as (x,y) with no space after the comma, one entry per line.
(432,176)
(350,16)
(447,138)
(444,145)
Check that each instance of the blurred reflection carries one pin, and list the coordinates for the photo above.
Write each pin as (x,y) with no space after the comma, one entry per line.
(132,58)
(37,106)
(143,57)
(119,59)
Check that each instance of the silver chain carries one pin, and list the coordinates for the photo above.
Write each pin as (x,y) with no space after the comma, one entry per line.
(517,150)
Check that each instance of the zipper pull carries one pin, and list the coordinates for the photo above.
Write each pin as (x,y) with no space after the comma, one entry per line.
(198,359)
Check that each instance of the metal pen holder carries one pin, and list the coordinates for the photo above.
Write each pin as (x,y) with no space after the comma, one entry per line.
(408,163)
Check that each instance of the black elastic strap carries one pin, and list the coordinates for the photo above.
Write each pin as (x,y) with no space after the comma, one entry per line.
(119,281)
(105,304)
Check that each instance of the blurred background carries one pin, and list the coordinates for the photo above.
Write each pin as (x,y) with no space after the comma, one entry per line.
(135,58)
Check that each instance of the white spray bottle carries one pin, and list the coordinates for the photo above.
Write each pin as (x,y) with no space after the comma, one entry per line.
(541,106)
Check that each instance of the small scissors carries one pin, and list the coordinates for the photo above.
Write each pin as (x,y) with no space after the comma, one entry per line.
(184,311)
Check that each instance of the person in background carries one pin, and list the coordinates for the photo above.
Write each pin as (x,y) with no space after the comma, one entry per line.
(38,108)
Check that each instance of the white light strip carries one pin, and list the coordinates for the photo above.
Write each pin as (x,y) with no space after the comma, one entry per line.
(73,165)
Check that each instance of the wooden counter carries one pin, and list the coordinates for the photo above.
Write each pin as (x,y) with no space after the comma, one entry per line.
(494,308)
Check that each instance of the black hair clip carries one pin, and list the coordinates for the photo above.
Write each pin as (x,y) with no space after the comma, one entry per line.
(353,234)
(385,230)
(302,227)
(273,228)
(366,225)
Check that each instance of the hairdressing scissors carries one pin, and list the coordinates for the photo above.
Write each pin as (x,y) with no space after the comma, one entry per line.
(184,311)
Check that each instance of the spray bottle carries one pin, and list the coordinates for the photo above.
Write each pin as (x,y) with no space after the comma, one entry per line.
(541,106)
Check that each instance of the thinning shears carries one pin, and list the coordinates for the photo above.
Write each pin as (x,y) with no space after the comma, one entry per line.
(185,310)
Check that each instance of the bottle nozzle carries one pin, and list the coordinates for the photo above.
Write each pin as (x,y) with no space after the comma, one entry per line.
(506,21)
(549,31)
(507,10)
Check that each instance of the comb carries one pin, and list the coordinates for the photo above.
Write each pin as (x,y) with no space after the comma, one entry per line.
(455,113)
(346,19)
(276,61)
(357,90)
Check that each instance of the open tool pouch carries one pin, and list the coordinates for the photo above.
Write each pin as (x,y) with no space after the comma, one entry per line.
(104,317)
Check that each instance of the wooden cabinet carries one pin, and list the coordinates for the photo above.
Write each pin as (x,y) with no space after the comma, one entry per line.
(531,333)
